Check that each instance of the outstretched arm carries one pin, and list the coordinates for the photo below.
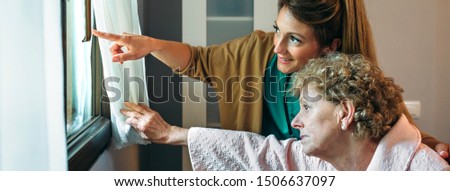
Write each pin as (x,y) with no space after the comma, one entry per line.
(176,55)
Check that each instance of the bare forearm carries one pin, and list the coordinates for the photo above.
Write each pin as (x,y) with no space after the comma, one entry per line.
(176,55)
(178,136)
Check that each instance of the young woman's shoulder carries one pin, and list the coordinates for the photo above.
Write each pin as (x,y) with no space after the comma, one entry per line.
(262,34)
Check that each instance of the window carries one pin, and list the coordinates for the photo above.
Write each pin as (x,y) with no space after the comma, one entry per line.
(79,71)
(88,128)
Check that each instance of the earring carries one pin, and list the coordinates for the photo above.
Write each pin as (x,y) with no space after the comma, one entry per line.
(343,126)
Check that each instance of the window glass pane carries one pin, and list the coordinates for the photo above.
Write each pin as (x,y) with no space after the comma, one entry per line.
(225,30)
(78,68)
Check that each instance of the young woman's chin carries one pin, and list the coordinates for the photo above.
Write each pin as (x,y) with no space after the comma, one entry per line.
(287,67)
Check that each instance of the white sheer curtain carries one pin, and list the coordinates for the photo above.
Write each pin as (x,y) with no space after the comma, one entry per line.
(123,82)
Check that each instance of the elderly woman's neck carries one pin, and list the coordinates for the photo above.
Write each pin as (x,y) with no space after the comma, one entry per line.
(355,155)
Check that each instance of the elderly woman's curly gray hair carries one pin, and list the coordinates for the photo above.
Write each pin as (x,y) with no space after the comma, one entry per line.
(377,99)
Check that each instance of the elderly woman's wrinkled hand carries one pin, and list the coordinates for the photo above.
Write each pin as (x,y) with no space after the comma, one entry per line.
(151,126)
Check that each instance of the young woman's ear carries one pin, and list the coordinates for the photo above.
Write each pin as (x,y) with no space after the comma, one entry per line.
(333,46)
(348,113)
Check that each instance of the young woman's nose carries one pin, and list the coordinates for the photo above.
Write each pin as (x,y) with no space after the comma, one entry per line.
(280,45)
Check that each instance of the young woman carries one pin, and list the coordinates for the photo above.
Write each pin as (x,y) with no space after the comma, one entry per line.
(262,63)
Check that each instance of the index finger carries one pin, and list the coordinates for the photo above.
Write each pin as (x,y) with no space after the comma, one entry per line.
(130,113)
(136,107)
(107,36)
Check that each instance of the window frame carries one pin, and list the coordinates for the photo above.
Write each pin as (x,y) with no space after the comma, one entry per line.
(91,140)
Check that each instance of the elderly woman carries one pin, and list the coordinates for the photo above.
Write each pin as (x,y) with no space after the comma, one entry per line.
(350,119)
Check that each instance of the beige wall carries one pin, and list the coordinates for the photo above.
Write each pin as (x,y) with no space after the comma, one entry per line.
(412,40)
(442,70)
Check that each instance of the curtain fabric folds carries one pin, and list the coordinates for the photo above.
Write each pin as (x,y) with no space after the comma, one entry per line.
(123,82)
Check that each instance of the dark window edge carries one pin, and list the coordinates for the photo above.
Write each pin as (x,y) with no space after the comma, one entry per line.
(86,147)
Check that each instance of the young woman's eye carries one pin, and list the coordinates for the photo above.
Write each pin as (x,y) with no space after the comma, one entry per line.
(295,40)
(277,30)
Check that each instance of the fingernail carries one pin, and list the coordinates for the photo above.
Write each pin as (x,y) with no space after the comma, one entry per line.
(442,153)
(116,59)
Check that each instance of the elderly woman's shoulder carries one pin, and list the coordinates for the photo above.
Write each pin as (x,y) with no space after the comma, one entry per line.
(426,158)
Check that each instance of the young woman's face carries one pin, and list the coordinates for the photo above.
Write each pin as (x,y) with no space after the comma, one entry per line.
(318,122)
(294,41)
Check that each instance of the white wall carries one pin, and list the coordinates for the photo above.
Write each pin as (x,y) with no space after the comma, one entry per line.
(31,86)
(412,39)
(265,13)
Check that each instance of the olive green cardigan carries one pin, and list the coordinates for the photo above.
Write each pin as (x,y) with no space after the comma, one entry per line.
(236,71)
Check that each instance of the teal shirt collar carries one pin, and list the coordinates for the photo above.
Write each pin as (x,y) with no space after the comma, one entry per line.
(279,107)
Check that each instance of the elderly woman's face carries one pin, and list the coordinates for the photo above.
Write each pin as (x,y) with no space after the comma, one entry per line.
(294,41)
(318,122)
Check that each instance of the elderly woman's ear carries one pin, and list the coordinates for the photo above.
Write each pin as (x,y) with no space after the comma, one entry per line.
(346,114)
